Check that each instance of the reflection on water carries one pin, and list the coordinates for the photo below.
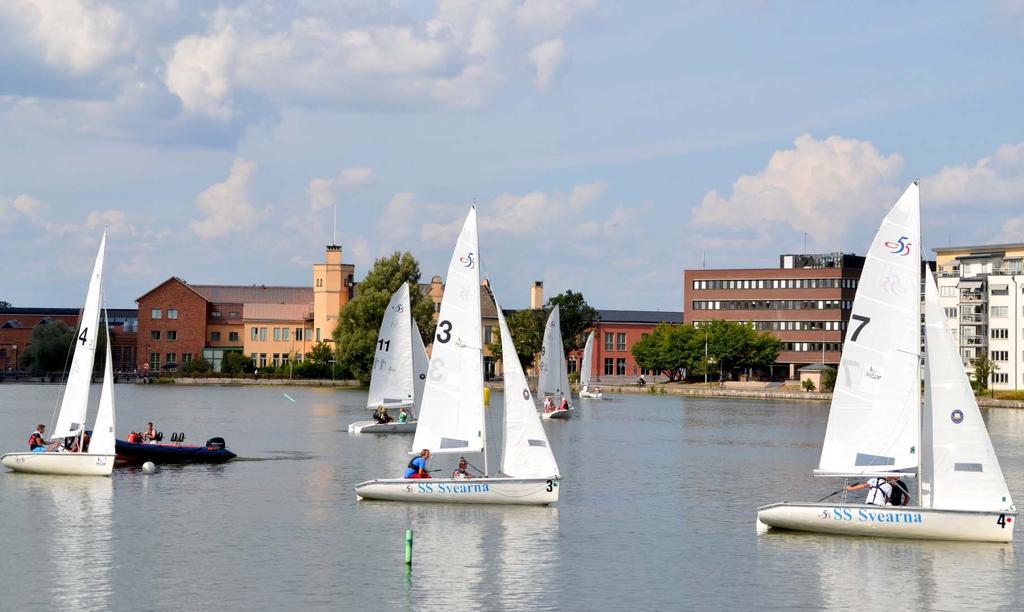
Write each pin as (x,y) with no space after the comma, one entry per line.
(528,571)
(448,555)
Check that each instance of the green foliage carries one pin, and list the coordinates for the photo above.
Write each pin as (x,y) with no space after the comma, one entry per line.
(983,369)
(311,369)
(4,304)
(527,329)
(671,349)
(320,353)
(575,317)
(236,363)
(359,321)
(828,379)
(49,350)
(807,385)
(197,367)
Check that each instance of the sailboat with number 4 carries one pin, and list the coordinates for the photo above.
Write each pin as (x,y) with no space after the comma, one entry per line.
(877,427)
(452,420)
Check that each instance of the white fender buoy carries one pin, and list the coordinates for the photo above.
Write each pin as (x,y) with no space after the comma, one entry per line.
(149,467)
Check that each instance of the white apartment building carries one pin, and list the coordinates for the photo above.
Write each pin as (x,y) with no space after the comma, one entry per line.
(982,290)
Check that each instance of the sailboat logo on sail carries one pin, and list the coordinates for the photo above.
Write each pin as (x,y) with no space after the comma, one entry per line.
(872,373)
(468,260)
(900,247)
(957,416)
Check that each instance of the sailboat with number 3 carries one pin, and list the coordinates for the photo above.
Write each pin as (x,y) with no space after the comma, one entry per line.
(877,426)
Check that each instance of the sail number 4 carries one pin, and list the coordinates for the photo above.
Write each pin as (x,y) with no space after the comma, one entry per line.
(1002,521)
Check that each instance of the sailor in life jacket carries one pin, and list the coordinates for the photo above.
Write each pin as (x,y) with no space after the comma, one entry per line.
(37,441)
(879,490)
(417,468)
(460,472)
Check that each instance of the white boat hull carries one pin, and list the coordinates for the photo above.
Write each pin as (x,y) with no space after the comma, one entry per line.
(558,414)
(889,521)
(382,428)
(514,491)
(62,464)
(591,395)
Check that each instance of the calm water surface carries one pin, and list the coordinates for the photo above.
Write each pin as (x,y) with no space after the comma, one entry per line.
(656,512)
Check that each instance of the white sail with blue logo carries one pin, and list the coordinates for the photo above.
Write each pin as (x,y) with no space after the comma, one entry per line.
(874,421)
(525,452)
(451,418)
(959,468)
(392,381)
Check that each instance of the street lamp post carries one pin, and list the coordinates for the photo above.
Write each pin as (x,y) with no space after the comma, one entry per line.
(707,361)
(331,361)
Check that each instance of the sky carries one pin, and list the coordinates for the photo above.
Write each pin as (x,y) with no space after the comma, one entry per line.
(608,145)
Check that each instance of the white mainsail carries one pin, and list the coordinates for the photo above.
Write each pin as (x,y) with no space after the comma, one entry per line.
(102,440)
(959,468)
(550,380)
(526,452)
(391,382)
(73,407)
(588,362)
(874,422)
(420,362)
(451,418)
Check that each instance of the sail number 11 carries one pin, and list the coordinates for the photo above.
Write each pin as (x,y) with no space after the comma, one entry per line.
(383,345)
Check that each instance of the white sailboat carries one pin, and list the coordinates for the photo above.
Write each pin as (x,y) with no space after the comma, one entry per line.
(399,367)
(876,425)
(553,381)
(586,371)
(99,460)
(452,420)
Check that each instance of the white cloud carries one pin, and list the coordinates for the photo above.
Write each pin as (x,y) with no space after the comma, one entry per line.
(1011,232)
(322,191)
(822,187)
(77,35)
(552,15)
(199,73)
(22,207)
(225,206)
(997,179)
(548,59)
(395,224)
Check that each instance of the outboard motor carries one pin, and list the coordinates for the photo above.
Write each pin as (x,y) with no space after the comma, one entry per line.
(215,444)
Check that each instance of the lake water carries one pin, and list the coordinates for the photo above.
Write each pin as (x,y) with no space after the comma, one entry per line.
(656,512)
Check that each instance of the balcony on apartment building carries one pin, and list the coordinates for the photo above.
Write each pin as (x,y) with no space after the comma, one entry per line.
(980,318)
(971,340)
(970,296)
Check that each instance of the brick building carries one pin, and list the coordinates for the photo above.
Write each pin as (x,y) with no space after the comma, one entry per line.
(17,324)
(805,302)
(614,337)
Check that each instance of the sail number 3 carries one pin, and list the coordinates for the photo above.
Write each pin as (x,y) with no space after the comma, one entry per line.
(446,327)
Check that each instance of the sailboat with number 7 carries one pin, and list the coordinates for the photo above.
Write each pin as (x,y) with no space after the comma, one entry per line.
(878,428)
(452,420)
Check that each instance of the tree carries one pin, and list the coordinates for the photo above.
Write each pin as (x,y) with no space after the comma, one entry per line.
(828,379)
(575,317)
(672,349)
(235,363)
(49,349)
(359,321)
(320,353)
(197,367)
(4,304)
(983,369)
(527,329)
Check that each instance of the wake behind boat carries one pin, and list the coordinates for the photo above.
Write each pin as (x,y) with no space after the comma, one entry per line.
(877,427)
(399,369)
(452,417)
(83,455)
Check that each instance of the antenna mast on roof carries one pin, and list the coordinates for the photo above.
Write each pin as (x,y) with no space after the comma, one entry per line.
(334,239)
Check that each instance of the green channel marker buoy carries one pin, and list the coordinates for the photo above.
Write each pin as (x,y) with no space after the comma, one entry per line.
(408,546)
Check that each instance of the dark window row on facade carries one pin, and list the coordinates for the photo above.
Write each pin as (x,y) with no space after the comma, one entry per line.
(831,347)
(155,334)
(772,304)
(799,325)
(614,366)
(777,283)
(281,334)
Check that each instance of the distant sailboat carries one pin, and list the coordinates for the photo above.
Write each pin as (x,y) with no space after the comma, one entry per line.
(399,367)
(99,460)
(586,371)
(452,420)
(553,381)
(876,425)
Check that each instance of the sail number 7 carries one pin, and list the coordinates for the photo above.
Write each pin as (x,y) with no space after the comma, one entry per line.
(863,322)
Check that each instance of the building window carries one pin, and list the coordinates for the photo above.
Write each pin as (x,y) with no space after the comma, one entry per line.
(298,334)
(172,358)
(609,366)
(277,335)
(620,343)
(488,334)
(232,336)
(1000,355)
(172,335)
(1000,377)
(215,336)
(620,366)
(216,314)
(947,291)
(286,333)
(263,360)
(186,357)
(172,313)
(609,341)
(252,356)
(154,335)
(308,334)
(318,334)
(277,359)
(998,312)
(233,314)
(437,307)
(951,313)
(254,333)
(999,334)
(156,313)
(263,334)
(572,365)
(154,362)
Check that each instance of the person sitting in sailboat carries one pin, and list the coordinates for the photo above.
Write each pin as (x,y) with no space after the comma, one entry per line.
(382,416)
(549,406)
(565,403)
(417,468)
(879,490)
(403,415)
(460,472)
(37,441)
